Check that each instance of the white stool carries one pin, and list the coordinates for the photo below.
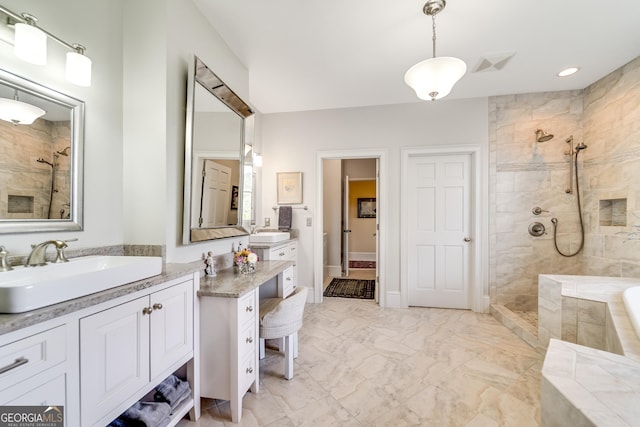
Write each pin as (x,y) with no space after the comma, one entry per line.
(282,318)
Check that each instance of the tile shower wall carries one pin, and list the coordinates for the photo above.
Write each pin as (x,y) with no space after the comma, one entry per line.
(20,148)
(525,174)
(612,169)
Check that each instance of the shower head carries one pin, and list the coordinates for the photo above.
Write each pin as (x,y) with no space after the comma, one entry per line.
(580,146)
(542,136)
(64,152)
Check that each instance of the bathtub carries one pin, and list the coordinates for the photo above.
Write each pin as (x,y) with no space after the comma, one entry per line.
(631,297)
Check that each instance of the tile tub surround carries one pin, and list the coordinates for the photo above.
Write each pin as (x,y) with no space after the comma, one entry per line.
(582,386)
(587,310)
(588,386)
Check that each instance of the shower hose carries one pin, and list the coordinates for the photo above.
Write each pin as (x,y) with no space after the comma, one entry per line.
(555,220)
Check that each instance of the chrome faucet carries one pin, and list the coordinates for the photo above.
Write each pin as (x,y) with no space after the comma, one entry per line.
(38,253)
(4,262)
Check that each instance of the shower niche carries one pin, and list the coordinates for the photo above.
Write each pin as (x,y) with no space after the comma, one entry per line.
(613,212)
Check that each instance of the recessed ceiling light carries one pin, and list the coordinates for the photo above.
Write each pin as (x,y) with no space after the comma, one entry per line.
(568,71)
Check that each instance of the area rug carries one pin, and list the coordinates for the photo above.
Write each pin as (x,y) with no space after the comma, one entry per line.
(362,264)
(350,288)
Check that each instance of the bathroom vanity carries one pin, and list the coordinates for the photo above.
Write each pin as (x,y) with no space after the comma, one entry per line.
(229,336)
(98,354)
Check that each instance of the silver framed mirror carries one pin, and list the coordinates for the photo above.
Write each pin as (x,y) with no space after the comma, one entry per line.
(41,163)
(218,167)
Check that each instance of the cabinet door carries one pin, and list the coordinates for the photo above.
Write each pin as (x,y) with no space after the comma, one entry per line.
(51,393)
(171,326)
(114,357)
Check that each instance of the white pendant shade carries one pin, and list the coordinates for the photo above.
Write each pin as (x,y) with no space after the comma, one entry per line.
(434,78)
(30,44)
(19,113)
(78,69)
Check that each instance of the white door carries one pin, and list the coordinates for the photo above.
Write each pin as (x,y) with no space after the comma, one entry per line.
(438,206)
(216,194)
(345,226)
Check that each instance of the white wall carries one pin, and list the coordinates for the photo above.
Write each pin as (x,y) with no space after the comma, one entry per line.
(164,44)
(96,24)
(291,141)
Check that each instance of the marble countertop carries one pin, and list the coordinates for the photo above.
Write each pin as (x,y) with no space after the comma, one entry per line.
(229,284)
(603,387)
(13,322)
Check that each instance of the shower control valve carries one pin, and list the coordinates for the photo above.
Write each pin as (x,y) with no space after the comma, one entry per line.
(538,210)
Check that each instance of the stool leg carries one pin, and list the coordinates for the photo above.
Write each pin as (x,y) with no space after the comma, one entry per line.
(295,345)
(262,350)
(288,357)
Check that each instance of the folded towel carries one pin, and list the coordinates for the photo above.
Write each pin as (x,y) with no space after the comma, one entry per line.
(172,391)
(146,414)
(285,214)
(118,423)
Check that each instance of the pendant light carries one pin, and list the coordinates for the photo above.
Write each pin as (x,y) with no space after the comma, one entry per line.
(18,112)
(434,78)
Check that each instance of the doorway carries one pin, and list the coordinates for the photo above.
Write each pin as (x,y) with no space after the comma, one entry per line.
(348,241)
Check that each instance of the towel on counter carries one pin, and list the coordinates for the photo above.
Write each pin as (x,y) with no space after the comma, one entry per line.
(146,414)
(285,214)
(172,391)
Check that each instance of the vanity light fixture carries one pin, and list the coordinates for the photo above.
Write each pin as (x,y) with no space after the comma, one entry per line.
(18,112)
(434,78)
(30,44)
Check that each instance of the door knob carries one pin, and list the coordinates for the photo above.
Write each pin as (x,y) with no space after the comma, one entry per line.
(467,239)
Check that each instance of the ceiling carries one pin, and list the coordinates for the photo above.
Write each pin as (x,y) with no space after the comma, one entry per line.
(310,55)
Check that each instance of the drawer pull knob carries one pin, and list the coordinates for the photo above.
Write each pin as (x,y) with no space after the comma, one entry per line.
(18,362)
(157,306)
(249,370)
(147,310)
(288,279)
(249,309)
(249,340)
(281,254)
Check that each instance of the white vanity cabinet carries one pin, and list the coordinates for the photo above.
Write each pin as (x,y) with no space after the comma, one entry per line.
(129,348)
(229,333)
(282,251)
(33,370)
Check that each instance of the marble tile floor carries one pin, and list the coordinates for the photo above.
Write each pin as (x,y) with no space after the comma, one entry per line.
(360,365)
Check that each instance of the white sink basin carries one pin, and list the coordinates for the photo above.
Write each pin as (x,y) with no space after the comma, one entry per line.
(27,288)
(269,237)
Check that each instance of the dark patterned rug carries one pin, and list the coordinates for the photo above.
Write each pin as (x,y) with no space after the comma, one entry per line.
(350,288)
(362,264)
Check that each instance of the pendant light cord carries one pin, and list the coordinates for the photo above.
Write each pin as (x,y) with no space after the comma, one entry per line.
(433,20)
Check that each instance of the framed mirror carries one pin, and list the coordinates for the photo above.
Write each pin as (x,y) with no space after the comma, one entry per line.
(218,181)
(41,168)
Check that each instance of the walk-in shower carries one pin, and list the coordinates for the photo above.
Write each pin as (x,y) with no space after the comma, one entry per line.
(572,152)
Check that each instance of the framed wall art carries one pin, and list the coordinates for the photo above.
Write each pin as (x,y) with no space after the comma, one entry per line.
(366,207)
(289,188)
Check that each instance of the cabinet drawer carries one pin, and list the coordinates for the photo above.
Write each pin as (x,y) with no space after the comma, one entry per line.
(281,253)
(50,393)
(32,355)
(247,341)
(247,309)
(247,374)
(288,285)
